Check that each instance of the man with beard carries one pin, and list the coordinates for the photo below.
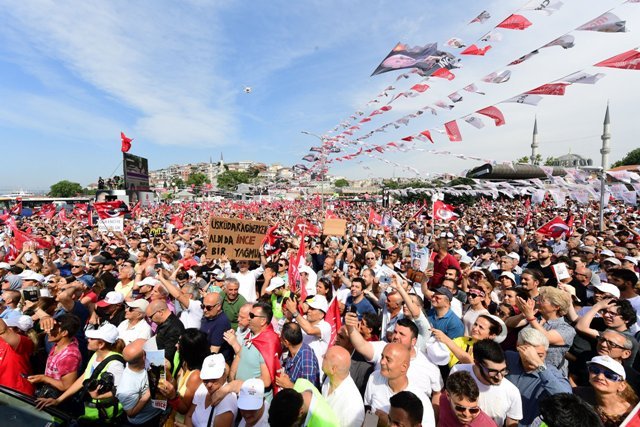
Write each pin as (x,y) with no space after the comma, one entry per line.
(543,263)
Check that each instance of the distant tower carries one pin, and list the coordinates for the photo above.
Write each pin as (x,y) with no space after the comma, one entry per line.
(606,137)
(534,142)
(221,160)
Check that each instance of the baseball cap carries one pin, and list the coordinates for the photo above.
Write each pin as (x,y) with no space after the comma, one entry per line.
(149,281)
(251,395)
(503,328)
(20,321)
(608,288)
(142,304)
(32,275)
(607,253)
(461,252)
(98,259)
(444,291)
(112,297)
(466,260)
(275,283)
(87,279)
(218,274)
(610,364)
(15,281)
(107,333)
(631,259)
(588,249)
(212,367)
(4,266)
(514,255)
(614,261)
(318,302)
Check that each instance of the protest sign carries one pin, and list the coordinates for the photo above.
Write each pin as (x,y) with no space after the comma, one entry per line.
(335,227)
(111,224)
(238,239)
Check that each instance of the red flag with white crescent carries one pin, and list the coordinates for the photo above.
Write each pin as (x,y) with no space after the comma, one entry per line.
(111,209)
(443,211)
(126,142)
(554,228)
(333,318)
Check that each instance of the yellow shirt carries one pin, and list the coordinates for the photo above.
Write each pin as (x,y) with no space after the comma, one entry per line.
(465,343)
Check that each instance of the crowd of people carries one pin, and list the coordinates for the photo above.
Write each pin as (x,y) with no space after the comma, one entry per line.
(484,320)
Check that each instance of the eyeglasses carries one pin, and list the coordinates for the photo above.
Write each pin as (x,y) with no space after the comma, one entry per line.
(608,374)
(129,308)
(462,409)
(494,372)
(76,266)
(211,307)
(609,313)
(353,267)
(609,343)
(370,258)
(282,265)
(253,316)
(155,312)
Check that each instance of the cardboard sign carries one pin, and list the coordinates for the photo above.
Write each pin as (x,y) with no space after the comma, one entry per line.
(238,239)
(335,227)
(111,224)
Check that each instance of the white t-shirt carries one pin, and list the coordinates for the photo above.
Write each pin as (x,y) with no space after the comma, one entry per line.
(498,401)
(422,373)
(191,317)
(247,282)
(346,402)
(456,307)
(201,414)
(319,344)
(129,335)
(264,419)
(378,393)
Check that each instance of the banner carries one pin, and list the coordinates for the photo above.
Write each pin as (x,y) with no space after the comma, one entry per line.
(111,224)
(136,172)
(236,238)
(335,227)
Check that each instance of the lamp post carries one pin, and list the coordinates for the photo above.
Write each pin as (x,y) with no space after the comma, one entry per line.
(323,159)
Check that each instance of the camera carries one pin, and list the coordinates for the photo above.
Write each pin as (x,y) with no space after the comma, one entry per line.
(102,385)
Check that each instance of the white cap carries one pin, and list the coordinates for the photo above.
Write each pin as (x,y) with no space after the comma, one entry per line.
(319,302)
(510,275)
(514,255)
(608,288)
(5,266)
(614,261)
(437,352)
(503,331)
(610,364)
(631,259)
(142,304)
(112,298)
(466,260)
(212,367)
(460,252)
(32,275)
(107,333)
(275,283)
(251,395)
(149,281)
(20,321)
(607,253)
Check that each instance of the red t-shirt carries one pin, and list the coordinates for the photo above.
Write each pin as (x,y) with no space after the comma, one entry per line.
(448,419)
(440,267)
(188,263)
(14,365)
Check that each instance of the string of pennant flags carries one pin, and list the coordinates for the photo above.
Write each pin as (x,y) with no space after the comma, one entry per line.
(607,22)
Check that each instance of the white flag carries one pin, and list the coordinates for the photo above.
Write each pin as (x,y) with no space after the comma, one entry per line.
(606,23)
(525,99)
(443,105)
(455,97)
(498,77)
(492,36)
(630,198)
(473,88)
(584,78)
(455,42)
(474,121)
(547,6)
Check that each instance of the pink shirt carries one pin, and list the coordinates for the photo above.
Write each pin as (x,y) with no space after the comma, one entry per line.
(447,417)
(64,362)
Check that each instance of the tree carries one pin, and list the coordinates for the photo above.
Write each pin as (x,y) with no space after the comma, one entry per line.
(339,183)
(65,189)
(527,159)
(197,179)
(632,158)
(229,180)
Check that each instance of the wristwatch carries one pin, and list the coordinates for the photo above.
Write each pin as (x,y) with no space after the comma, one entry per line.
(294,315)
(540,369)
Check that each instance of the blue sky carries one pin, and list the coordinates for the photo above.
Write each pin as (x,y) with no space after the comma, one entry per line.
(171,75)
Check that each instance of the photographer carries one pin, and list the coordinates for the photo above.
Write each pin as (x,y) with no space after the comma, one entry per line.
(97,383)
(64,360)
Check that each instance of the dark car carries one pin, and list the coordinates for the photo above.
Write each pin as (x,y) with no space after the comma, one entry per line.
(17,409)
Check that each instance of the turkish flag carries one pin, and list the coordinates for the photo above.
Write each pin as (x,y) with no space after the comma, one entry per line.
(126,142)
(374,218)
(22,237)
(549,89)
(554,228)
(475,50)
(452,131)
(304,227)
(515,22)
(17,208)
(271,241)
(443,211)
(178,220)
(333,318)
(629,60)
(111,209)
(494,113)
(268,344)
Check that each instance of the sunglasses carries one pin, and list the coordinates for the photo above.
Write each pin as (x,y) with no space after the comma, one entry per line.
(253,316)
(462,409)
(210,307)
(609,343)
(474,296)
(129,308)
(610,375)
(495,372)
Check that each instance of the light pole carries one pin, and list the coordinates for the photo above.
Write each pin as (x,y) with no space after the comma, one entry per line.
(323,159)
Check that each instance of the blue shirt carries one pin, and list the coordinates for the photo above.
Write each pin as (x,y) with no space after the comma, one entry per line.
(215,329)
(450,324)
(362,307)
(303,365)
(534,386)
